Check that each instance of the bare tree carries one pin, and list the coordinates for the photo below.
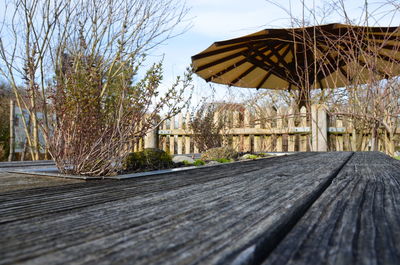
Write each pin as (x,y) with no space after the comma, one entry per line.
(26,33)
(364,68)
(371,97)
(39,38)
(100,102)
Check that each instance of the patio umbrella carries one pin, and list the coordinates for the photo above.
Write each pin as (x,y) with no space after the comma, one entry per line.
(301,58)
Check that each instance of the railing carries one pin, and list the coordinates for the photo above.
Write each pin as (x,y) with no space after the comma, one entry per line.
(284,130)
(281,131)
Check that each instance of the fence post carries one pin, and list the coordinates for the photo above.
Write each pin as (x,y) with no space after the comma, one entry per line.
(303,123)
(267,143)
(257,138)
(172,136)
(151,139)
(163,138)
(246,138)
(339,138)
(180,137)
(353,140)
(235,138)
(319,128)
(279,126)
(12,131)
(291,125)
(187,137)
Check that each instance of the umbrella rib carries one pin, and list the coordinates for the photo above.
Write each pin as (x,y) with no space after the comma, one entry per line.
(205,66)
(231,67)
(351,40)
(226,70)
(224,59)
(264,79)
(334,41)
(363,64)
(331,68)
(273,69)
(243,75)
(384,57)
(340,63)
(218,51)
(289,68)
(279,57)
(214,52)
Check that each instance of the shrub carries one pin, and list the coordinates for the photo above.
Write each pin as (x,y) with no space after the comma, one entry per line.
(199,162)
(224,160)
(94,125)
(187,163)
(149,159)
(250,156)
(102,97)
(220,153)
(4,122)
(206,128)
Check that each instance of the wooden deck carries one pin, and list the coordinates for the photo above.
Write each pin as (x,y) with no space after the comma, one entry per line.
(308,208)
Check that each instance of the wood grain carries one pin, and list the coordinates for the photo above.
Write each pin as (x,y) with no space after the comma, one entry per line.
(217,215)
(355,221)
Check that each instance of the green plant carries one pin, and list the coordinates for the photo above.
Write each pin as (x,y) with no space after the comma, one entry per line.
(187,163)
(149,159)
(199,162)
(223,160)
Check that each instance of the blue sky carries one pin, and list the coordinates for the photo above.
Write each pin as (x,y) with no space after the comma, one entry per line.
(215,20)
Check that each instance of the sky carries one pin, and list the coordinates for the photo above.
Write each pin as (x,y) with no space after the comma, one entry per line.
(215,20)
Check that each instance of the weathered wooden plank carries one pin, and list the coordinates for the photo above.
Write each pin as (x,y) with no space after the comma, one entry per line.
(209,216)
(355,221)
(38,201)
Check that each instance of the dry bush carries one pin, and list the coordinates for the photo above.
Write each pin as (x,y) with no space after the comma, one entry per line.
(5,96)
(225,152)
(92,131)
(208,123)
(100,101)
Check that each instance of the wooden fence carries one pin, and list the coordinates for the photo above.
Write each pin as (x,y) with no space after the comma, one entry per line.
(284,130)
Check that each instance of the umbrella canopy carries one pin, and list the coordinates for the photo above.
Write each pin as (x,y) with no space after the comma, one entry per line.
(308,57)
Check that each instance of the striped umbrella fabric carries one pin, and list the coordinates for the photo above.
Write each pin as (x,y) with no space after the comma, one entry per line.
(325,56)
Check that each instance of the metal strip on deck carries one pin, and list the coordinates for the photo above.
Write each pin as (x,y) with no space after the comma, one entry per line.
(273,210)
